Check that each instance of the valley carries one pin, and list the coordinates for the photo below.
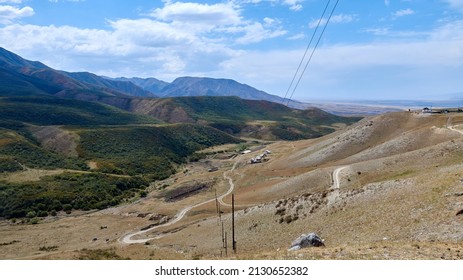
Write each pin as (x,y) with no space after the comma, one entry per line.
(99,168)
(387,187)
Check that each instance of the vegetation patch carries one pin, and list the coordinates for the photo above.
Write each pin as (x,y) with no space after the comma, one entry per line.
(257,118)
(8,164)
(100,254)
(66,192)
(48,248)
(17,150)
(50,110)
(147,150)
(187,190)
(9,243)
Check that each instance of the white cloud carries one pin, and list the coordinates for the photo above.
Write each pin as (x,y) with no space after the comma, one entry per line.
(216,14)
(341,18)
(377,31)
(174,39)
(455,4)
(294,5)
(256,33)
(387,2)
(402,13)
(11,1)
(297,36)
(217,22)
(393,69)
(9,13)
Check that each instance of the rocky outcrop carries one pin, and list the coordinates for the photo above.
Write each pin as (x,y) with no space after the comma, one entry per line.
(304,241)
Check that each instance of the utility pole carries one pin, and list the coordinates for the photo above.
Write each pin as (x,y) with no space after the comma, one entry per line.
(226,245)
(217,207)
(233,224)
(223,237)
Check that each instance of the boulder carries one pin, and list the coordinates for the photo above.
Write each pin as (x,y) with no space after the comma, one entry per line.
(309,240)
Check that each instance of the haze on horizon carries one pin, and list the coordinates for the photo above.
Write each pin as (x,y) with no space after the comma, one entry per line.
(384,49)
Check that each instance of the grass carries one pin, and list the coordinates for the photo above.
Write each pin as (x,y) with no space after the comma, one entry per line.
(66,192)
(147,150)
(234,116)
(100,254)
(48,248)
(16,149)
(50,110)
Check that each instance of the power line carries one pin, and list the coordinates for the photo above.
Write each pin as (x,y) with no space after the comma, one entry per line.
(307,49)
(313,51)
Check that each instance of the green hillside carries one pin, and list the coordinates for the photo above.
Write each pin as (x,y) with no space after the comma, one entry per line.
(66,192)
(151,151)
(250,118)
(50,110)
(17,151)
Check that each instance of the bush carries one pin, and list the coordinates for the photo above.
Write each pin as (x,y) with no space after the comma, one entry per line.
(8,164)
(31,214)
(66,192)
(35,220)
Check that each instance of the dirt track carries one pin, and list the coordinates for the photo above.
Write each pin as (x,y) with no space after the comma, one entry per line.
(127,239)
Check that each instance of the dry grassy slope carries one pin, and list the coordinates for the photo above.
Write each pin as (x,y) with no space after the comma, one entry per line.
(55,139)
(162,109)
(398,199)
(376,137)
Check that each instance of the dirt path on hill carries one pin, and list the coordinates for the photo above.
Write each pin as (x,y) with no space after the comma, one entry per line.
(33,175)
(452,126)
(127,239)
(454,129)
(334,195)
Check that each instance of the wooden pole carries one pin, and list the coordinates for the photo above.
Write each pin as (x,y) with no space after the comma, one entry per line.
(220,214)
(233,224)
(226,245)
(217,207)
(223,237)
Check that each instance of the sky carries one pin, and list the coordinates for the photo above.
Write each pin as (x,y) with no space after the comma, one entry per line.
(371,49)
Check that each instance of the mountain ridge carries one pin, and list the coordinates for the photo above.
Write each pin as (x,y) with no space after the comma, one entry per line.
(134,87)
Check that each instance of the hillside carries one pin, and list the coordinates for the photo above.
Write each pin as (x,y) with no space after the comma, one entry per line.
(124,160)
(249,118)
(388,187)
(21,76)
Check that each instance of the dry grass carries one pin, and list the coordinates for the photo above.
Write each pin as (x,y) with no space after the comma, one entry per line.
(398,200)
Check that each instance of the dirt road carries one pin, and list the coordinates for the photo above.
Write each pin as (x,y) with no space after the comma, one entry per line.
(127,239)
(334,195)
(454,129)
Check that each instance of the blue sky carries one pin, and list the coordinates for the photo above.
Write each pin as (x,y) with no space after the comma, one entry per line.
(372,49)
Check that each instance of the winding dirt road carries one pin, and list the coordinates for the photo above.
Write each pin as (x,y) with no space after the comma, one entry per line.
(451,125)
(334,195)
(454,129)
(127,239)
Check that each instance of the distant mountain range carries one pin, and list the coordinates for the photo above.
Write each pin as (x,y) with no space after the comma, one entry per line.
(67,84)
(55,120)
(28,89)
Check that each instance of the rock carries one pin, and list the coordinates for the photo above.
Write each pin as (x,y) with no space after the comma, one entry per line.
(309,240)
(460,212)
